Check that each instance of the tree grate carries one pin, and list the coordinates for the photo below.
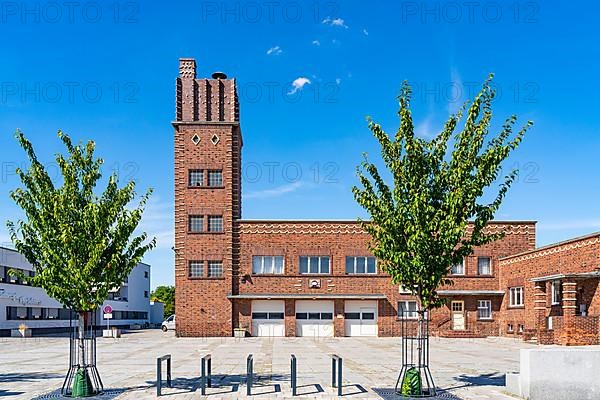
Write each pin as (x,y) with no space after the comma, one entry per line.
(390,394)
(107,395)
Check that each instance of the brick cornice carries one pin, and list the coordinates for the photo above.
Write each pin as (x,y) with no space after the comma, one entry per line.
(543,252)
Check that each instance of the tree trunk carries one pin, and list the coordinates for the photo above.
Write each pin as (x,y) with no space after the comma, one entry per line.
(81,336)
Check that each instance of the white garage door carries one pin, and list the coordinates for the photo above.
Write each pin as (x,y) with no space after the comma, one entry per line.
(360,318)
(268,318)
(314,318)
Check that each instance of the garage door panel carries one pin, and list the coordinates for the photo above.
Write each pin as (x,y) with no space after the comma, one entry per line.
(360,318)
(268,318)
(314,318)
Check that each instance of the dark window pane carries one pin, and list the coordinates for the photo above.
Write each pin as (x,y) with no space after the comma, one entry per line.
(314,315)
(371,265)
(368,315)
(349,265)
(304,265)
(301,316)
(276,315)
(314,265)
(324,265)
(260,315)
(326,315)
(352,315)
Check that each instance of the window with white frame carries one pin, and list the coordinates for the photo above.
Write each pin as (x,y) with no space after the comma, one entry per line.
(484,309)
(215,223)
(215,269)
(314,265)
(458,269)
(361,265)
(196,177)
(215,178)
(196,269)
(267,264)
(510,328)
(484,265)
(556,292)
(196,223)
(516,297)
(407,309)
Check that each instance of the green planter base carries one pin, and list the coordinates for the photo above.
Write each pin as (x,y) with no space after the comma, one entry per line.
(82,384)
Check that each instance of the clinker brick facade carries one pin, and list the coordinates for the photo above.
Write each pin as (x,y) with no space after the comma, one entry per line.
(292,278)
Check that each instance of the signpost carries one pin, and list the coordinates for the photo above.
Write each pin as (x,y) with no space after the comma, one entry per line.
(107,310)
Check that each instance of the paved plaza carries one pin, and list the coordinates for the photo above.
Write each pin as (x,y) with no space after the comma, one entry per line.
(466,368)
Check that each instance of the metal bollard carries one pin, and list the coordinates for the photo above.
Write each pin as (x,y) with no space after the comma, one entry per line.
(249,374)
(336,378)
(206,371)
(159,361)
(293,374)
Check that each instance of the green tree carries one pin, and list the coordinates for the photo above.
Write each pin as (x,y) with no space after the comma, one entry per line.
(419,224)
(80,244)
(166,295)
(432,214)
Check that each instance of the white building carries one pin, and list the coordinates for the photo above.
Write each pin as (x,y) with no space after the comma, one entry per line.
(20,303)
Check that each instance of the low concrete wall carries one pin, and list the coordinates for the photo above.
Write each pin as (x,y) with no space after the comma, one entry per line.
(558,373)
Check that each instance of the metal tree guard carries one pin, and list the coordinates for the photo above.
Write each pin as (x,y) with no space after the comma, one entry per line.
(415,353)
(89,356)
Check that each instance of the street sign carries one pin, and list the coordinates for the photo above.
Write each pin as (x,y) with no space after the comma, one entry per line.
(108,316)
(107,309)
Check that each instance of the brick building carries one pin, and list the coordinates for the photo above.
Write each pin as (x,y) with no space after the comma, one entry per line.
(317,278)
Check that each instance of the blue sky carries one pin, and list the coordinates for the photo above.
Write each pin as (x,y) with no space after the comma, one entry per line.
(106,71)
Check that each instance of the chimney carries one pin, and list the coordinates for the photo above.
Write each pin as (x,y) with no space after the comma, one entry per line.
(187,68)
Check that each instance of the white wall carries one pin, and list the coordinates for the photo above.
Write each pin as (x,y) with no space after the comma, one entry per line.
(12,295)
(558,373)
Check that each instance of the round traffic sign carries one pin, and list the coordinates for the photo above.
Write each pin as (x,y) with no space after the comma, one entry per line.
(107,309)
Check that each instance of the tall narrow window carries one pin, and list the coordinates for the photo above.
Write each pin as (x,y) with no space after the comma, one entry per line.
(215,223)
(555,292)
(484,309)
(484,265)
(215,269)
(215,178)
(196,223)
(196,177)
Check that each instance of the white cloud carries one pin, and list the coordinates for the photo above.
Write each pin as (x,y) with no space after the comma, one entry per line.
(335,22)
(298,84)
(275,192)
(157,221)
(366,32)
(338,81)
(316,42)
(274,51)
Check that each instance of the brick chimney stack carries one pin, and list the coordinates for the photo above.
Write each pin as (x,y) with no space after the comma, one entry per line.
(205,100)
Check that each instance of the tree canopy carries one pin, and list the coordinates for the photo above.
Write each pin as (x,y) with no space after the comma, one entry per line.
(80,244)
(432,214)
(166,295)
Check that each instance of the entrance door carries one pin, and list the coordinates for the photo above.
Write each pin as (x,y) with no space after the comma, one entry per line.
(458,315)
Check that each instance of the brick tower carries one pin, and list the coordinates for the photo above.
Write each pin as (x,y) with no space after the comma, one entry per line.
(207,201)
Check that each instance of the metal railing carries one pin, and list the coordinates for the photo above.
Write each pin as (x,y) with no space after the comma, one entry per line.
(159,361)
(249,374)
(336,373)
(294,374)
(206,371)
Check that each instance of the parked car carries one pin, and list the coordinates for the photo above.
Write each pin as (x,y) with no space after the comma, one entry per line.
(168,324)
